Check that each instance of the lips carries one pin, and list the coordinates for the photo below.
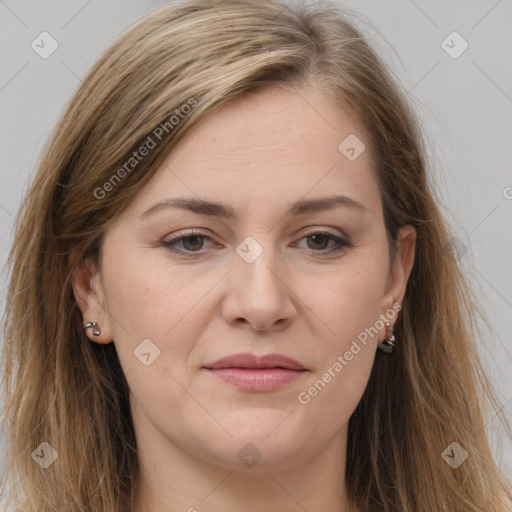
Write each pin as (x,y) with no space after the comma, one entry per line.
(247,360)
(252,373)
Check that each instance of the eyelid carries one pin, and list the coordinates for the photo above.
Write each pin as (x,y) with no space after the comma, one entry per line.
(185,233)
(342,241)
(327,231)
(188,232)
(311,230)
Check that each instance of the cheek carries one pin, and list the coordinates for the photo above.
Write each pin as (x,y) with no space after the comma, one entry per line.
(349,304)
(148,296)
(334,393)
(349,299)
(349,308)
(152,299)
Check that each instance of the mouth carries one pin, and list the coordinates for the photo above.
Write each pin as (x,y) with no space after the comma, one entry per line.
(252,373)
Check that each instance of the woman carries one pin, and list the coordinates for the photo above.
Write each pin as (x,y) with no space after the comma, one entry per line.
(230,287)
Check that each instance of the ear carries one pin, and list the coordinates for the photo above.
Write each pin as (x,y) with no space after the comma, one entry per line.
(90,297)
(401,267)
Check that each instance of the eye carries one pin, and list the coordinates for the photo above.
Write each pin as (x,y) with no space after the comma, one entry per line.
(319,240)
(191,243)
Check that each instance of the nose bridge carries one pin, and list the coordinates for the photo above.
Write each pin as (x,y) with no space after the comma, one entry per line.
(258,293)
(257,259)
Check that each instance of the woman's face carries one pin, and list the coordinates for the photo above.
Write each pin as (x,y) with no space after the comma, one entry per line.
(269,278)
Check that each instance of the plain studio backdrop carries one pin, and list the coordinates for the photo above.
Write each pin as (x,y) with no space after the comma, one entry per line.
(450,57)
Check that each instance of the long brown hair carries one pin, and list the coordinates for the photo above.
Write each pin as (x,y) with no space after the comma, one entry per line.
(63,390)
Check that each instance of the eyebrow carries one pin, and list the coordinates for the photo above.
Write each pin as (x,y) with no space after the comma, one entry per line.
(216,209)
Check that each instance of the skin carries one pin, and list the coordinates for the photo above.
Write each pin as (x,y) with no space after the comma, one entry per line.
(257,154)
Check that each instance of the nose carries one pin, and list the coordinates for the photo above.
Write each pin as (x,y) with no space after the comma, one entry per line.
(259,294)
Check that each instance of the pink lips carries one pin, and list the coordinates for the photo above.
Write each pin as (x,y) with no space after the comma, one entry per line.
(252,373)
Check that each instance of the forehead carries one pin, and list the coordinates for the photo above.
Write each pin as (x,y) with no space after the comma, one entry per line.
(274,120)
(275,145)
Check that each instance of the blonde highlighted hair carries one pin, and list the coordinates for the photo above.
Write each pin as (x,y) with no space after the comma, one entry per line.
(61,389)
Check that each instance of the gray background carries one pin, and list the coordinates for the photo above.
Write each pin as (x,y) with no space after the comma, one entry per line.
(464,103)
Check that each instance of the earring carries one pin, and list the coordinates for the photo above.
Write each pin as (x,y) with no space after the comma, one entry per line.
(96,331)
(387,345)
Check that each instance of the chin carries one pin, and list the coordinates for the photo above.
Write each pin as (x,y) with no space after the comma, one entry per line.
(258,445)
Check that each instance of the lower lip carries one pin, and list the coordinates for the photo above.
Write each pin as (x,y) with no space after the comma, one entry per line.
(251,379)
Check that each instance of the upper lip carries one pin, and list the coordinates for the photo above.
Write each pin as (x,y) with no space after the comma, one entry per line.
(247,360)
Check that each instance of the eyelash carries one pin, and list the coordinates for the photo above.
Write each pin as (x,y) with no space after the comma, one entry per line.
(171,244)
